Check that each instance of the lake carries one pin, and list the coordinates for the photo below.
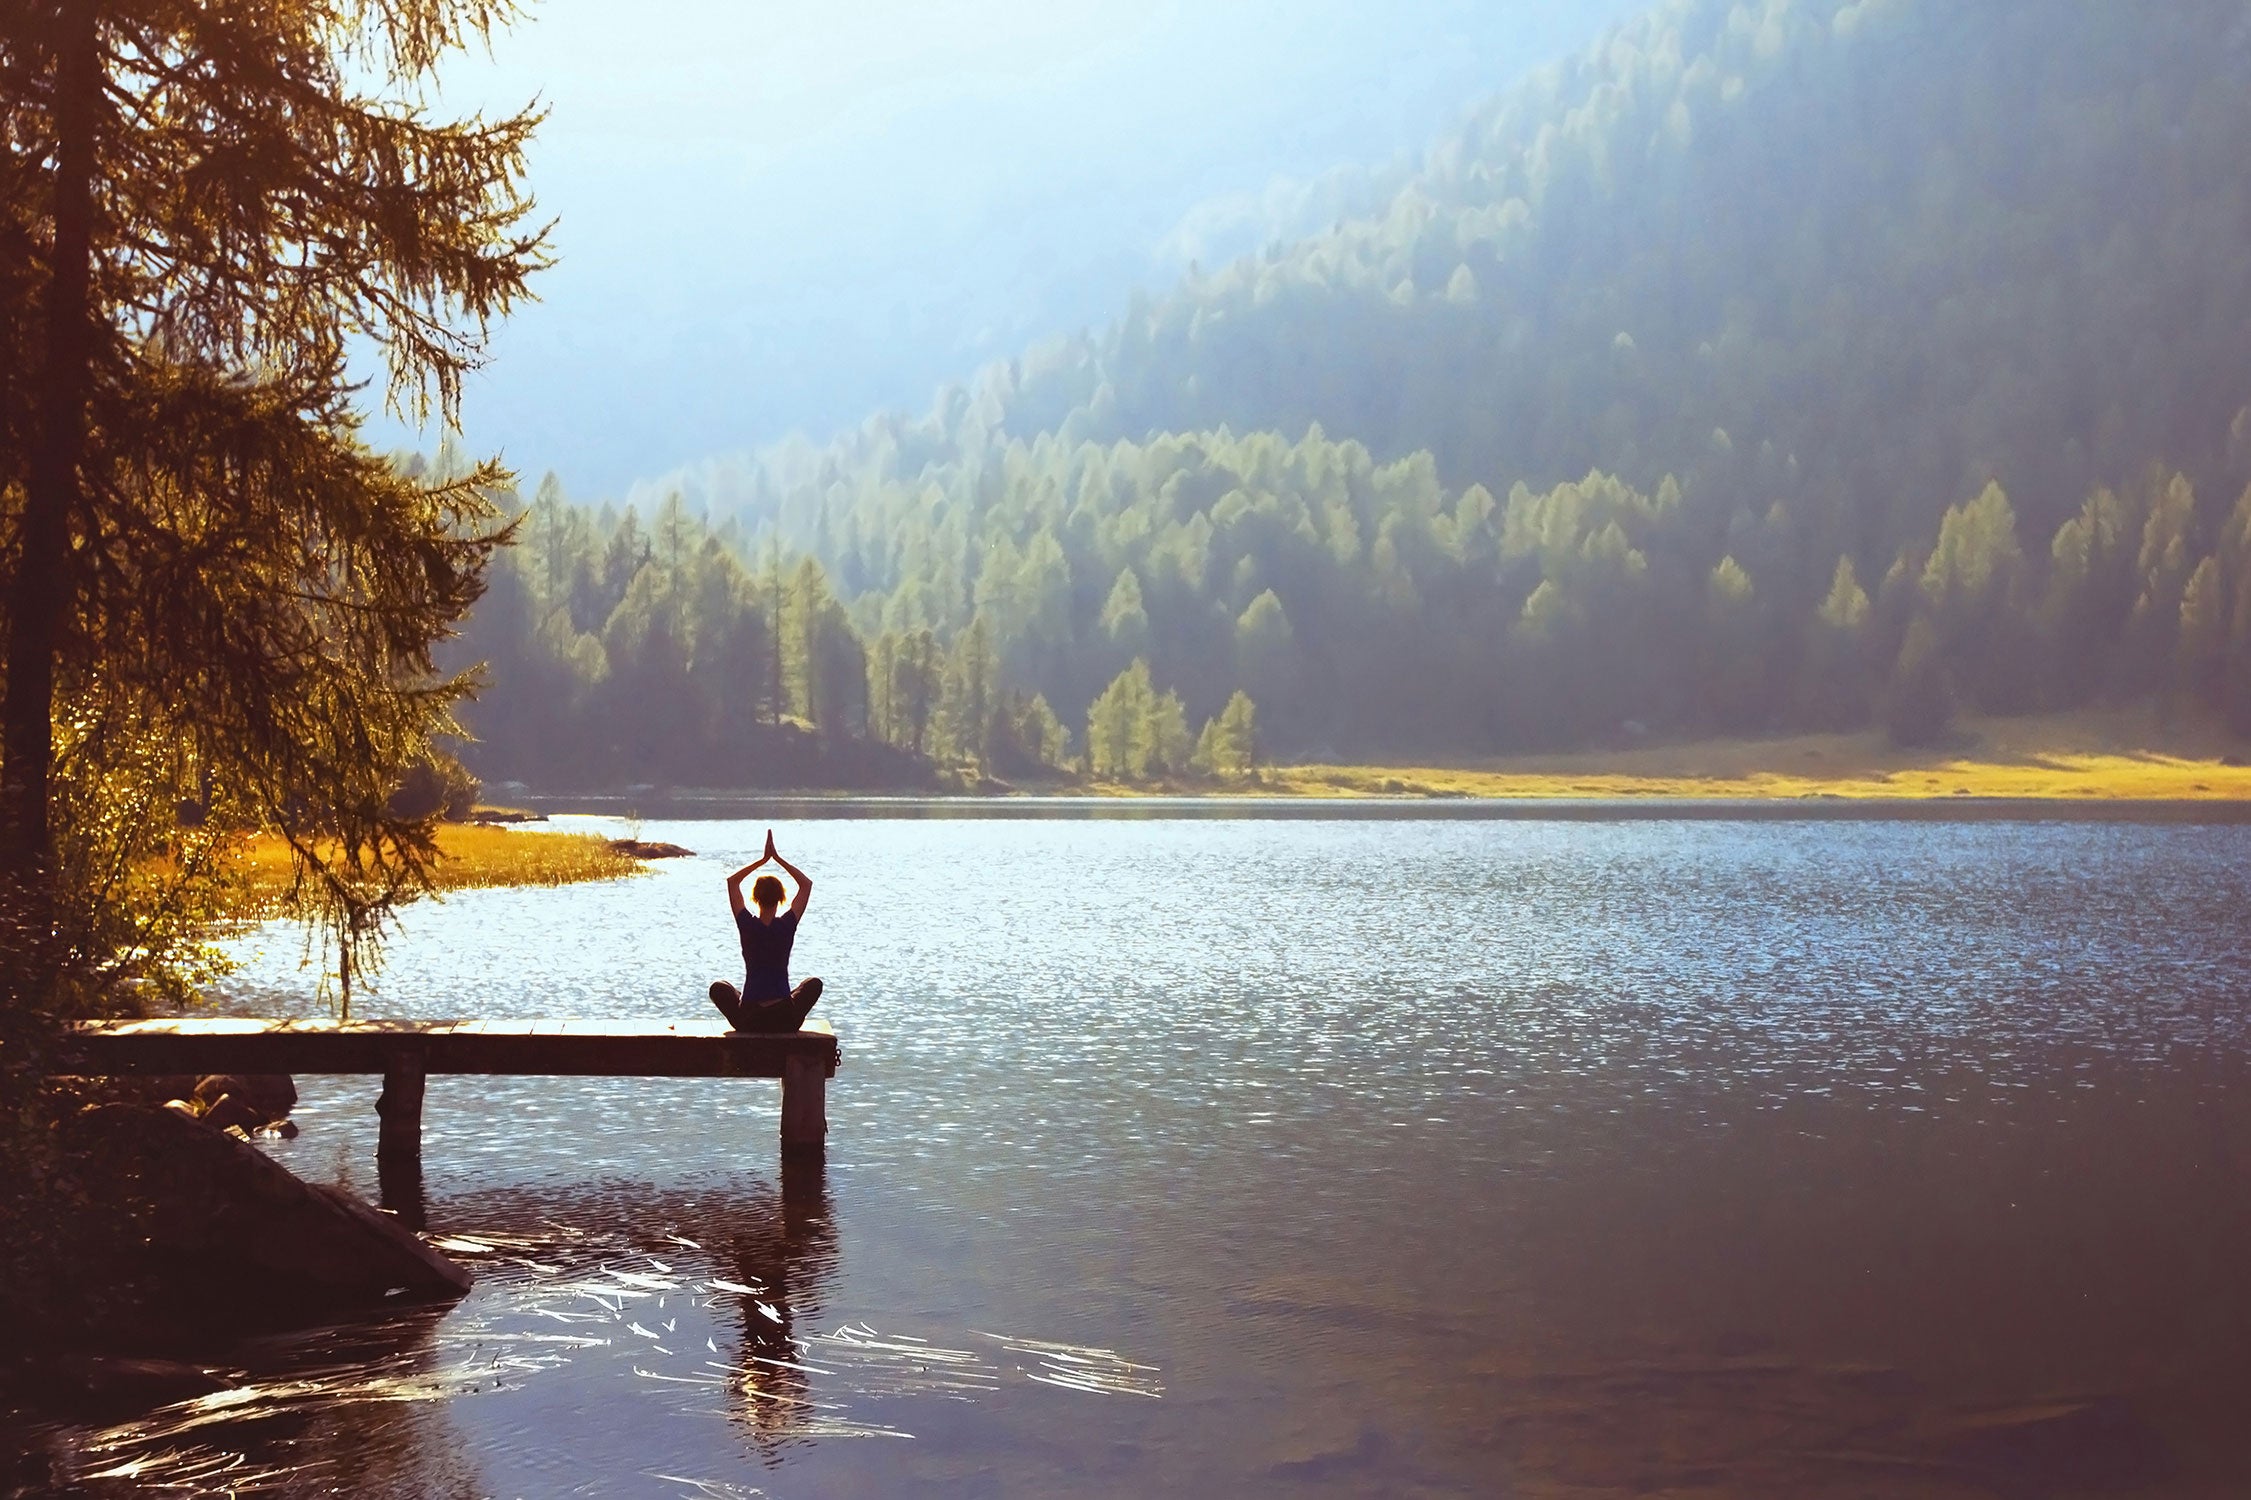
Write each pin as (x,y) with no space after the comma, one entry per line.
(1321,1156)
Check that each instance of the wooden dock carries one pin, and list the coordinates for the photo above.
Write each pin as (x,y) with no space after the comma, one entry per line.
(407,1052)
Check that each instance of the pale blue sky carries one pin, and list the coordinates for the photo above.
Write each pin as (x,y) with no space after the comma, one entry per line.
(789,213)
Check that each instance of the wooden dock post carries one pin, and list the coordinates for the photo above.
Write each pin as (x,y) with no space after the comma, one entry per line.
(804,1105)
(400,1105)
(398,1188)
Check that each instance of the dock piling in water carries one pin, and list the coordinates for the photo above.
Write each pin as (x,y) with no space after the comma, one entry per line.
(400,1106)
(804,1105)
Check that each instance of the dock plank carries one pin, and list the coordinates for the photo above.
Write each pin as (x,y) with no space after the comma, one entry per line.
(554,1047)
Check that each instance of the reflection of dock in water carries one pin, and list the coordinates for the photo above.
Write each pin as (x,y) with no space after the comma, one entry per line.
(716,1299)
(567,1288)
(782,1249)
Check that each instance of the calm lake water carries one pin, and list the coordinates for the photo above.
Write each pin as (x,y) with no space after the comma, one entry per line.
(1324,1157)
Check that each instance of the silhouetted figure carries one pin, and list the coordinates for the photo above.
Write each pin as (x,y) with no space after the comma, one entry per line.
(766,1002)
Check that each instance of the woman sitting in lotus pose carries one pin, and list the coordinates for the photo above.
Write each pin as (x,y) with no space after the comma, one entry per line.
(766,1002)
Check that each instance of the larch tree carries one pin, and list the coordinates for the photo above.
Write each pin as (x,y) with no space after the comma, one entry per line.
(1832,686)
(1113,725)
(1159,743)
(2203,638)
(917,675)
(968,694)
(220,609)
(1124,620)
(1228,746)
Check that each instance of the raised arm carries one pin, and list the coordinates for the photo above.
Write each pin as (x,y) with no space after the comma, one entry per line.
(735,881)
(804,881)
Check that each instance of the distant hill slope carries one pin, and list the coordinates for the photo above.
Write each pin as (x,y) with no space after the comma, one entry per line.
(1890,250)
(1781,364)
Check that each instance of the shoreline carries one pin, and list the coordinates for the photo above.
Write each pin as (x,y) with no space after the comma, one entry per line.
(2090,764)
(1578,808)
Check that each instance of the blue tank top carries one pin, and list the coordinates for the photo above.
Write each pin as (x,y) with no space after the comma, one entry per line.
(766,948)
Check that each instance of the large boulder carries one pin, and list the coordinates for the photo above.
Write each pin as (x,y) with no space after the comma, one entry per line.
(249,1101)
(199,1220)
(643,849)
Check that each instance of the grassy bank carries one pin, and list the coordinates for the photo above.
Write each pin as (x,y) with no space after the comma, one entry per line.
(471,855)
(2118,756)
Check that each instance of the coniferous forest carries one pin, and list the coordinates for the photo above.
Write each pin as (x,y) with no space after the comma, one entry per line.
(1781,365)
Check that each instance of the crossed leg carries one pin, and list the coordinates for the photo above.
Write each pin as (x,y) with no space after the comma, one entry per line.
(730,1003)
(767,1015)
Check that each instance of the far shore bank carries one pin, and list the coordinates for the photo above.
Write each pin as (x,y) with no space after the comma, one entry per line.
(2084,758)
(2071,758)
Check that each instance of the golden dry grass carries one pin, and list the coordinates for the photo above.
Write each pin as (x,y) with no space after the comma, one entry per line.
(470,855)
(2092,755)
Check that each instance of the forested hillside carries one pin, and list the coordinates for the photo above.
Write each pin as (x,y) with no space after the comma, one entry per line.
(1773,365)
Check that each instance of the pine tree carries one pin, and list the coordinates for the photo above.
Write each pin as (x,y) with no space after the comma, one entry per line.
(2203,633)
(2162,570)
(1735,674)
(917,672)
(1918,704)
(1124,621)
(1975,559)
(970,694)
(1204,759)
(2234,692)
(1027,737)
(1161,742)
(1118,741)
(777,672)
(1228,746)
(1834,688)
(1044,734)
(840,667)
(883,667)
(1265,647)
(804,600)
(204,202)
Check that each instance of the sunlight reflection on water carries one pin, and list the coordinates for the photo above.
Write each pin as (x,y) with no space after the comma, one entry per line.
(1396,1154)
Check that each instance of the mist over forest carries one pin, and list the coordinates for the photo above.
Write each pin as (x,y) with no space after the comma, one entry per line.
(1768,366)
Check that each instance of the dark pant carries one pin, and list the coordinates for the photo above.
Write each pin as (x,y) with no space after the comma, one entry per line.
(765,1015)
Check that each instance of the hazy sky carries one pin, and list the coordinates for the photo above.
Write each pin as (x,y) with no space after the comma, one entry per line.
(782,214)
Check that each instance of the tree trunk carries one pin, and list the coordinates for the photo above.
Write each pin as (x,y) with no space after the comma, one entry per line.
(39,593)
(774,579)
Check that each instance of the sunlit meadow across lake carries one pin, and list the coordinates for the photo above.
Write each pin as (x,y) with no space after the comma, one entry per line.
(1372,1156)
